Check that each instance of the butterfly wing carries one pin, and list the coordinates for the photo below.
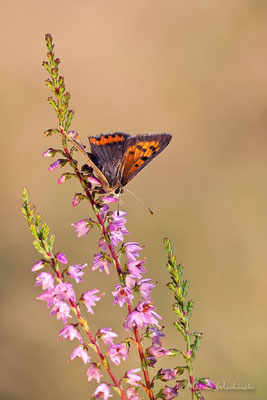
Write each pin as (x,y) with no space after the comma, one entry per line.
(140,151)
(107,153)
(73,137)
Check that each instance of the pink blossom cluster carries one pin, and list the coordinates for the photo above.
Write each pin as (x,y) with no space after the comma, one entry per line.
(60,297)
(141,313)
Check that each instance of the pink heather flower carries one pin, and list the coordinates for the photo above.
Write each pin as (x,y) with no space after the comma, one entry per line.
(48,296)
(155,334)
(106,335)
(90,299)
(117,229)
(141,317)
(131,394)
(80,352)
(145,288)
(57,164)
(76,200)
(81,227)
(109,199)
(49,153)
(102,244)
(64,290)
(62,179)
(93,373)
(151,361)
(39,265)
(118,217)
(62,310)
(122,295)
(132,250)
(147,310)
(167,374)
(170,393)
(102,391)
(92,179)
(61,258)
(130,281)
(156,351)
(103,211)
(204,384)
(118,351)
(101,263)
(70,332)
(132,378)
(117,235)
(136,268)
(45,280)
(76,272)
(134,319)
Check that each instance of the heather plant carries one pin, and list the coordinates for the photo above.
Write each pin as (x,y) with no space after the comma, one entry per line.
(99,347)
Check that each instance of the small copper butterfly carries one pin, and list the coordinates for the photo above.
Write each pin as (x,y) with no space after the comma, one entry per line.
(118,157)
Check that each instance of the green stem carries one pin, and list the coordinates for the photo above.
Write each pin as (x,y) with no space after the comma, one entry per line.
(189,361)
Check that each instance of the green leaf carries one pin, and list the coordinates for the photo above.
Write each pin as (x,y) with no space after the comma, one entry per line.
(190,305)
(49,132)
(180,370)
(180,328)
(195,345)
(38,220)
(45,231)
(51,243)
(171,286)
(178,310)
(69,118)
(117,390)
(49,83)
(34,231)
(93,346)
(185,287)
(144,364)
(105,363)
(25,195)
(39,248)
(107,238)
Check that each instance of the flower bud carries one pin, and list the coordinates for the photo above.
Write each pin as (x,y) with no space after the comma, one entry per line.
(61,258)
(49,152)
(57,164)
(39,265)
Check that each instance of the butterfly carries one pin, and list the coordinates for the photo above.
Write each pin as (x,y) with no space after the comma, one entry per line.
(117,158)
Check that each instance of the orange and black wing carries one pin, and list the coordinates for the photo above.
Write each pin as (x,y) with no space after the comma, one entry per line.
(140,151)
(73,137)
(108,153)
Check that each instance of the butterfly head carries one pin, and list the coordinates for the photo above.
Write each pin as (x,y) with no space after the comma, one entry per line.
(118,191)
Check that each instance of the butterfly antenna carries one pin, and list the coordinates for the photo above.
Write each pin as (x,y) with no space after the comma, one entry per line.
(118,209)
(148,208)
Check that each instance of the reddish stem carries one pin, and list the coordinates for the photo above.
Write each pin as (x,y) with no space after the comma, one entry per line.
(119,271)
(136,333)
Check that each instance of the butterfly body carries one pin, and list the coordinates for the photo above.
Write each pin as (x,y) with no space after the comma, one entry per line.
(118,157)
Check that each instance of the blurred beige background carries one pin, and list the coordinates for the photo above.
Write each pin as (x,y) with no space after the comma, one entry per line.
(197,69)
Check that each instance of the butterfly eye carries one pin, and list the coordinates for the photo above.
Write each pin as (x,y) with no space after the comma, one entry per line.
(117,190)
